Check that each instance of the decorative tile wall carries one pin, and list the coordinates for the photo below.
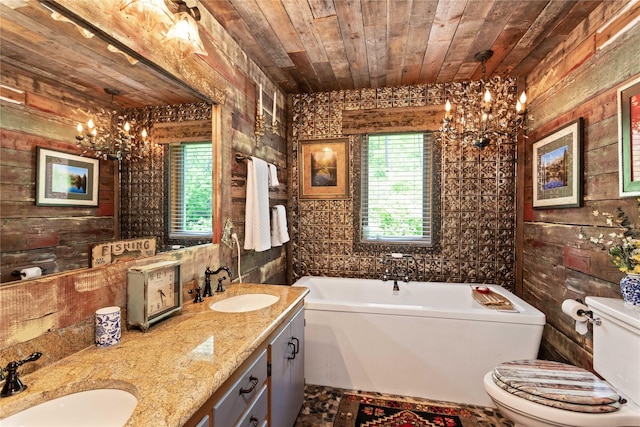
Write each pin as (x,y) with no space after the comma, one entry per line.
(477,191)
(143,184)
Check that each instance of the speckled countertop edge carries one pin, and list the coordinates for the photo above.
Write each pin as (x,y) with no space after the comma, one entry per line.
(173,368)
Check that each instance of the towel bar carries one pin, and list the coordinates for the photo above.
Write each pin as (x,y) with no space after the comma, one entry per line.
(241,158)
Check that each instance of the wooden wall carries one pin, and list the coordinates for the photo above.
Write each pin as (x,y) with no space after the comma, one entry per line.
(43,114)
(579,79)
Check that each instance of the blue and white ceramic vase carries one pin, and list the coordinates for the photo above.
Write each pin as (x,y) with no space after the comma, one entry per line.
(108,330)
(630,287)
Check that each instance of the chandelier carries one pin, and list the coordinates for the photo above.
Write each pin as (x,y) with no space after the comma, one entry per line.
(481,117)
(110,136)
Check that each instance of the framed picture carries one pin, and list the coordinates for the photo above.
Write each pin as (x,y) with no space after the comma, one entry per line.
(65,179)
(557,168)
(324,169)
(629,138)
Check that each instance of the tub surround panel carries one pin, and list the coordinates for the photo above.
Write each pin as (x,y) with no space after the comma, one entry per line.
(354,326)
(195,351)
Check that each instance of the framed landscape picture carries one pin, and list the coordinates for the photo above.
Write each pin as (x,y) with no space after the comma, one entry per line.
(65,179)
(324,169)
(557,168)
(629,138)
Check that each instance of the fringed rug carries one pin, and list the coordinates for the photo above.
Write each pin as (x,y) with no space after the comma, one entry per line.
(368,411)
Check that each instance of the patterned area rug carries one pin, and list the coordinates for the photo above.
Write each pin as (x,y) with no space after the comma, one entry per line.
(368,411)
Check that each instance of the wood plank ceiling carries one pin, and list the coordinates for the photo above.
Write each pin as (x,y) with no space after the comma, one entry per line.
(34,43)
(324,45)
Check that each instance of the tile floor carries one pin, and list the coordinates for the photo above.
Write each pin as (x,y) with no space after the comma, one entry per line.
(321,406)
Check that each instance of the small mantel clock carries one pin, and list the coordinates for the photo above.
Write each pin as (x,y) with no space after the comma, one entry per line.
(154,292)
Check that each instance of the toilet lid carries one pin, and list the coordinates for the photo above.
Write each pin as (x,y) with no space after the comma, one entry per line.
(556,384)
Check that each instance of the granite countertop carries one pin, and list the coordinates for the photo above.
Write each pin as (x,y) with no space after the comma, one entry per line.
(173,368)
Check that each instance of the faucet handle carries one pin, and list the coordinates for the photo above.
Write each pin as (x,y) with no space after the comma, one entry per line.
(13,385)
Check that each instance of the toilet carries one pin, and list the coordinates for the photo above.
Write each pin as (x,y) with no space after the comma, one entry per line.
(537,393)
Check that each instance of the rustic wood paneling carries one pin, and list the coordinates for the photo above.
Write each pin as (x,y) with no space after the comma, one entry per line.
(53,238)
(557,263)
(310,47)
(392,120)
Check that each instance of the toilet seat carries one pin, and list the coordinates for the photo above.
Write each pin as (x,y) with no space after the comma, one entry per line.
(531,414)
(557,385)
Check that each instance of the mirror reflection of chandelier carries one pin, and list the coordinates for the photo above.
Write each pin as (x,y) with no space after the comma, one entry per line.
(479,116)
(110,136)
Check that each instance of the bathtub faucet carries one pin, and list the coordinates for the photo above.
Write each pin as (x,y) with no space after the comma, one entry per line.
(398,267)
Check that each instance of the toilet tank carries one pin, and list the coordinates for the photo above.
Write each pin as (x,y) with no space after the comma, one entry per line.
(616,345)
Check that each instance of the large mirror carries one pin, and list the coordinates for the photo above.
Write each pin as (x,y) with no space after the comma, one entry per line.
(54,75)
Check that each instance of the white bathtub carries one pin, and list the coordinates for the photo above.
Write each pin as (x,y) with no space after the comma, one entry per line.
(430,340)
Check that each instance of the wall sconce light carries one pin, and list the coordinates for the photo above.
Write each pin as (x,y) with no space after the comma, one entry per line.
(110,136)
(259,131)
(185,29)
(261,125)
(177,21)
(478,118)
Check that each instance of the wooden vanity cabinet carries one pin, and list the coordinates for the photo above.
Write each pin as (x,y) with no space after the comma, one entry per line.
(286,357)
(267,389)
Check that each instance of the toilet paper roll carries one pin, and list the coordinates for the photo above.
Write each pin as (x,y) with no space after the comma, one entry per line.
(30,273)
(573,308)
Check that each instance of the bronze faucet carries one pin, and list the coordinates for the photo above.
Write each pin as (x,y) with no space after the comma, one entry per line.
(13,385)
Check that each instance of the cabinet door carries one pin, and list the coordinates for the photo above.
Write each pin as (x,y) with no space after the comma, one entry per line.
(287,373)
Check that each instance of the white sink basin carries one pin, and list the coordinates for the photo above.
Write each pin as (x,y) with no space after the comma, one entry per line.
(247,302)
(96,408)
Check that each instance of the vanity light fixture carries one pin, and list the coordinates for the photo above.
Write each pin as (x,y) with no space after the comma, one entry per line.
(185,29)
(478,119)
(110,137)
(149,13)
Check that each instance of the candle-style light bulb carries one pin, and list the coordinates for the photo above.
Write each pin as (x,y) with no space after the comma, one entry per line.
(487,96)
(79,128)
(90,124)
(447,109)
(144,133)
(523,100)
(127,127)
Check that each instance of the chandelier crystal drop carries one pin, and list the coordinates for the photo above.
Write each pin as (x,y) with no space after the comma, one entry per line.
(484,111)
(110,136)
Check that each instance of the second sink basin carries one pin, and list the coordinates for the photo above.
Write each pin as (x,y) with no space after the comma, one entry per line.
(97,408)
(242,303)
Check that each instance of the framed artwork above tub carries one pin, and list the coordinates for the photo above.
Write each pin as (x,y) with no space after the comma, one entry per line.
(324,169)
(629,138)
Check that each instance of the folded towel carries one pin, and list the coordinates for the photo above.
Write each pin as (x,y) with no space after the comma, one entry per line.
(279,232)
(273,176)
(256,232)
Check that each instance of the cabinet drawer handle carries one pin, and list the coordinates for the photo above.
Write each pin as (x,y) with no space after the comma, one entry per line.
(253,421)
(297,345)
(293,352)
(254,383)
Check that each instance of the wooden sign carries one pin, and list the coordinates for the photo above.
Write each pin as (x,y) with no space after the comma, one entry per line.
(122,250)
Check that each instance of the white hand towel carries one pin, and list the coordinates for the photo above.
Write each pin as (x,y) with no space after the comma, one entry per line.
(257,231)
(273,176)
(279,232)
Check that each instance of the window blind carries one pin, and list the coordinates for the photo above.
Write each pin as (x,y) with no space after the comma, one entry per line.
(191,196)
(396,188)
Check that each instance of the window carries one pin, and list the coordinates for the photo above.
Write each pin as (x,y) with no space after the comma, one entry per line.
(190,192)
(396,189)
